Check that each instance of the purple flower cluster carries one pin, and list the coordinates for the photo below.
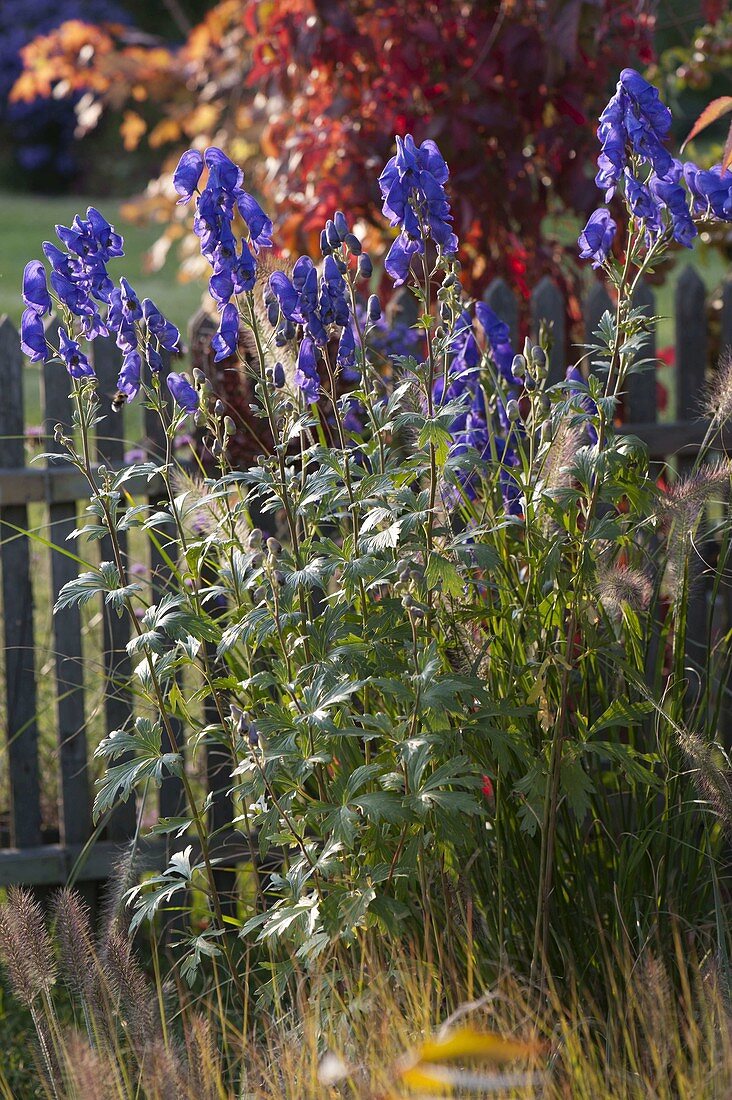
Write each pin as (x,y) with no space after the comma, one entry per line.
(474,428)
(233,264)
(318,303)
(711,191)
(80,285)
(413,189)
(633,131)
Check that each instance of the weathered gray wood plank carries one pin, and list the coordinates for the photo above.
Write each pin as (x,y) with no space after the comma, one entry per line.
(74,809)
(691,343)
(117,666)
(502,301)
(20,677)
(547,305)
(172,800)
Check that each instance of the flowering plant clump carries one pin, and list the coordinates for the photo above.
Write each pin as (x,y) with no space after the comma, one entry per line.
(427,616)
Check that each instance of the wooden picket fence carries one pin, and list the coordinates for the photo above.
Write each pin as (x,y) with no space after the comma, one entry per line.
(88,852)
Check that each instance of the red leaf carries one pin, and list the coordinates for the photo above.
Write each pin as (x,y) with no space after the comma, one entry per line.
(714,110)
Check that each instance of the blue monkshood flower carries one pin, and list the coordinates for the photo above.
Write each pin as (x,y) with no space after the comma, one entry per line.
(33,336)
(111,243)
(259,225)
(76,362)
(306,376)
(710,190)
(346,354)
(164,331)
(154,359)
(233,264)
(498,335)
(634,121)
(131,307)
(118,322)
(64,264)
(187,174)
(285,293)
(232,275)
(278,375)
(413,189)
(596,238)
(670,194)
(183,392)
(226,341)
(223,173)
(35,288)
(130,376)
(641,201)
(71,294)
(399,258)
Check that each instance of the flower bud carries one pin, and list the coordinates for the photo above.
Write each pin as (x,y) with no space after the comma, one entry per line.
(219,408)
(445,313)
(278,375)
(229,426)
(274,546)
(198,377)
(280,338)
(529,383)
(279,577)
(373,309)
(353,244)
(538,357)
(365,267)
(512,410)
(255,538)
(518,366)
(332,235)
(341,265)
(257,560)
(324,246)
(216,449)
(253,734)
(340,223)
(273,313)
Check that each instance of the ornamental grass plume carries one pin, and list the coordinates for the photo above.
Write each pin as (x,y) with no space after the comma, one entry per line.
(717,399)
(620,587)
(25,946)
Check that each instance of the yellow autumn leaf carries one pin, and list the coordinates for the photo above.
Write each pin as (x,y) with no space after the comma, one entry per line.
(467,1042)
(132,129)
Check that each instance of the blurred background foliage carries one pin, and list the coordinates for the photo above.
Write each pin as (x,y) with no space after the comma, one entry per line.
(309,94)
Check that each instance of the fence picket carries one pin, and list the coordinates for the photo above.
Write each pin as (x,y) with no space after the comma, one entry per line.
(502,301)
(74,815)
(642,394)
(117,667)
(20,676)
(171,791)
(547,305)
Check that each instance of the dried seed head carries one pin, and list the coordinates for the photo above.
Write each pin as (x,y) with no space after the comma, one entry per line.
(619,587)
(717,399)
(75,941)
(90,1073)
(129,989)
(684,501)
(25,946)
(561,455)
